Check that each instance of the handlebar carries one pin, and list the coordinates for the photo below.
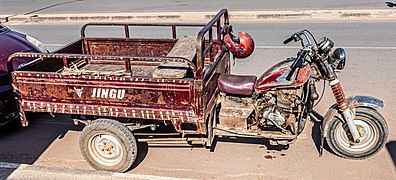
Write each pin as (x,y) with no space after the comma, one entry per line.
(297,63)
(300,36)
(291,38)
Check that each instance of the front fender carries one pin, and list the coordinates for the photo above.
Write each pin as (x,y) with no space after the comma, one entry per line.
(365,101)
(354,102)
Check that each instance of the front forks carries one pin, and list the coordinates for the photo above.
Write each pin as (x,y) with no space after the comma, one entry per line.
(343,107)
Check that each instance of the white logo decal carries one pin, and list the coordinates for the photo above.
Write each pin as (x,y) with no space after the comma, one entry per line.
(79,91)
(108,93)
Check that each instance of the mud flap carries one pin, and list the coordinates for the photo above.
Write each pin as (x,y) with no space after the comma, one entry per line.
(22,115)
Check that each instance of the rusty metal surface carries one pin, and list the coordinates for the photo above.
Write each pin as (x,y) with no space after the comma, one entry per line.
(57,57)
(210,89)
(212,50)
(138,96)
(368,101)
(173,26)
(134,91)
(215,22)
(127,47)
(275,135)
(107,96)
(235,111)
(133,97)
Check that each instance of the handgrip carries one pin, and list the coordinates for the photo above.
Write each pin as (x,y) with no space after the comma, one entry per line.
(288,40)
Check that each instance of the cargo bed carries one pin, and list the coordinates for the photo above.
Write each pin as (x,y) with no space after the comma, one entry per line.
(130,79)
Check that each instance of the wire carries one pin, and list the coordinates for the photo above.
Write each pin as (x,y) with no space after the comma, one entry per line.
(321,96)
(313,37)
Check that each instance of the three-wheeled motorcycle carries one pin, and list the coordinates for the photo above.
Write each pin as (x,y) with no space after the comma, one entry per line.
(179,88)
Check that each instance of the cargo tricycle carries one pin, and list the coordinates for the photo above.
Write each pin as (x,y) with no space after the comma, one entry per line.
(179,89)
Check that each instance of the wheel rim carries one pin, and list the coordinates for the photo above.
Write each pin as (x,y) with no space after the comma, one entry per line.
(369,136)
(105,149)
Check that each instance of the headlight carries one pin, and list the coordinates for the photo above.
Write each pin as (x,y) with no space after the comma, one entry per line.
(338,58)
(325,44)
(37,43)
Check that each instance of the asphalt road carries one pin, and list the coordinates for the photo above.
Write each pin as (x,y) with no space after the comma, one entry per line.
(371,48)
(94,6)
(344,34)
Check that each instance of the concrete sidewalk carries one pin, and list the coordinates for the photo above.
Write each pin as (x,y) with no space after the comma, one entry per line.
(25,171)
(139,6)
(28,11)
(236,16)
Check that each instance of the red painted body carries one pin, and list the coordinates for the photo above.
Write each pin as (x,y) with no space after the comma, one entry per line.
(275,77)
(45,86)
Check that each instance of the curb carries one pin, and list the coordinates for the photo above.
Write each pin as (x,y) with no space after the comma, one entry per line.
(303,15)
(3,17)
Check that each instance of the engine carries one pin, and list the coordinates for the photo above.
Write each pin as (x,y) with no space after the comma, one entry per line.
(277,107)
(274,109)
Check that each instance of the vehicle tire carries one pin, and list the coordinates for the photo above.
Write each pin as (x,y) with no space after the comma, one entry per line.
(211,124)
(210,130)
(372,128)
(108,145)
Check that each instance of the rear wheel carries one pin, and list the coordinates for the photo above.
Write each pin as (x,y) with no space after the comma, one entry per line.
(372,129)
(108,145)
(211,123)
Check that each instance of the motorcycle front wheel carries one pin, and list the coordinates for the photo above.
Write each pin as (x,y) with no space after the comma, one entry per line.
(372,129)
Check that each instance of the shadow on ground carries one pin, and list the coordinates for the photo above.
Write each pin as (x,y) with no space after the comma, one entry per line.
(316,136)
(4,173)
(142,153)
(391,146)
(24,145)
(261,141)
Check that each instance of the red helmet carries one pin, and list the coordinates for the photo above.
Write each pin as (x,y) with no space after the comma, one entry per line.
(240,47)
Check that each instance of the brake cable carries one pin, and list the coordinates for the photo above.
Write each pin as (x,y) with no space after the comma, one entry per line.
(321,96)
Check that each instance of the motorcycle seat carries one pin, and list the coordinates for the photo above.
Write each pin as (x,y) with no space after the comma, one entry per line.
(236,84)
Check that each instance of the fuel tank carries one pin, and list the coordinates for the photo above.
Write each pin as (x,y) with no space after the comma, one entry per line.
(275,77)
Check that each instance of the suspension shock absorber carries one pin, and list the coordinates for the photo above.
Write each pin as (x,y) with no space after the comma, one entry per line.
(339,95)
(343,107)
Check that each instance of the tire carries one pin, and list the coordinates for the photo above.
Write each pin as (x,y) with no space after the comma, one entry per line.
(108,145)
(210,130)
(371,126)
(211,123)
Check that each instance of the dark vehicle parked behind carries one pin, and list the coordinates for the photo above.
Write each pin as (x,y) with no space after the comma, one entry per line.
(11,42)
